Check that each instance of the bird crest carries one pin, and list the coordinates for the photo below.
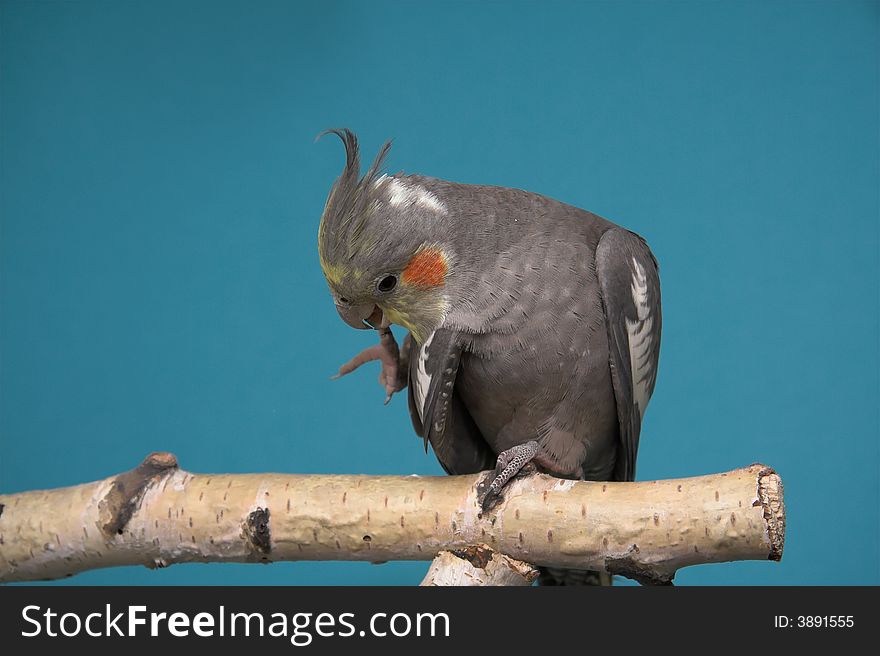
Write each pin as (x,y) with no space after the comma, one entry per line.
(351,201)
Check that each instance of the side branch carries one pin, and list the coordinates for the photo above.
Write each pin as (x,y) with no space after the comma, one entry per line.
(158,515)
(478,566)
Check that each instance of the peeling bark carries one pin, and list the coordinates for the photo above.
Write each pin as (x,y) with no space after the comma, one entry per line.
(158,515)
(127,492)
(478,565)
(479,556)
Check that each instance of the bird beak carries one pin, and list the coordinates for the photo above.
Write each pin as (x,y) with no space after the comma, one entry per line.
(361,316)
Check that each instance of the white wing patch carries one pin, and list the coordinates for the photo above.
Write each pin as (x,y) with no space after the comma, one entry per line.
(401,194)
(423,378)
(640,339)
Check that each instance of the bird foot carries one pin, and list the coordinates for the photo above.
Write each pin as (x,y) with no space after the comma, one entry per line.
(510,463)
(391,377)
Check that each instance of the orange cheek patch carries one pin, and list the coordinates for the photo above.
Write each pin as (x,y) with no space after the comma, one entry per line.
(427,268)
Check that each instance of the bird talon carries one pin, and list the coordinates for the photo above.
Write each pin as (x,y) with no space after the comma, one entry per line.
(487,496)
(509,464)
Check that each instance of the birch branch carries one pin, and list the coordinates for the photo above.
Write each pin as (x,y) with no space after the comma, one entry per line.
(157,515)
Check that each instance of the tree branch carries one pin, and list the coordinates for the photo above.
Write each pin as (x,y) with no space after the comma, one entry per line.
(158,515)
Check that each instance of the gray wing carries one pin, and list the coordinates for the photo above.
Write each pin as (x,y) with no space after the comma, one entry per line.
(437,412)
(630,288)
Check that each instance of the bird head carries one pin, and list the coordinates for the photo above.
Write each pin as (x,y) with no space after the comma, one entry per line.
(382,248)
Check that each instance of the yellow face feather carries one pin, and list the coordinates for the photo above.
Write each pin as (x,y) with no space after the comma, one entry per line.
(333,273)
(416,310)
(399,317)
(336,273)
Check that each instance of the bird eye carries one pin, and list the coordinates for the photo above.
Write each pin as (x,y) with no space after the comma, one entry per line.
(387,284)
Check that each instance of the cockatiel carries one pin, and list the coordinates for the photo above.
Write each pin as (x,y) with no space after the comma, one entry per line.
(534,326)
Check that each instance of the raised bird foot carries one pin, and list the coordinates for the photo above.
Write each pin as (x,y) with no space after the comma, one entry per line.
(511,462)
(392,376)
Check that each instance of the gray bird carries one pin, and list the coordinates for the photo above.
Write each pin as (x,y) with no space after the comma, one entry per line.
(534,326)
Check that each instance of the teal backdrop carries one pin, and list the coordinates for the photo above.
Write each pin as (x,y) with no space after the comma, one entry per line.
(161,189)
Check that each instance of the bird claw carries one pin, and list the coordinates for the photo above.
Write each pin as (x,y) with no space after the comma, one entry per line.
(510,463)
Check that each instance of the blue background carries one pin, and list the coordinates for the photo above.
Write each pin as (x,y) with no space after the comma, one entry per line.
(161,191)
